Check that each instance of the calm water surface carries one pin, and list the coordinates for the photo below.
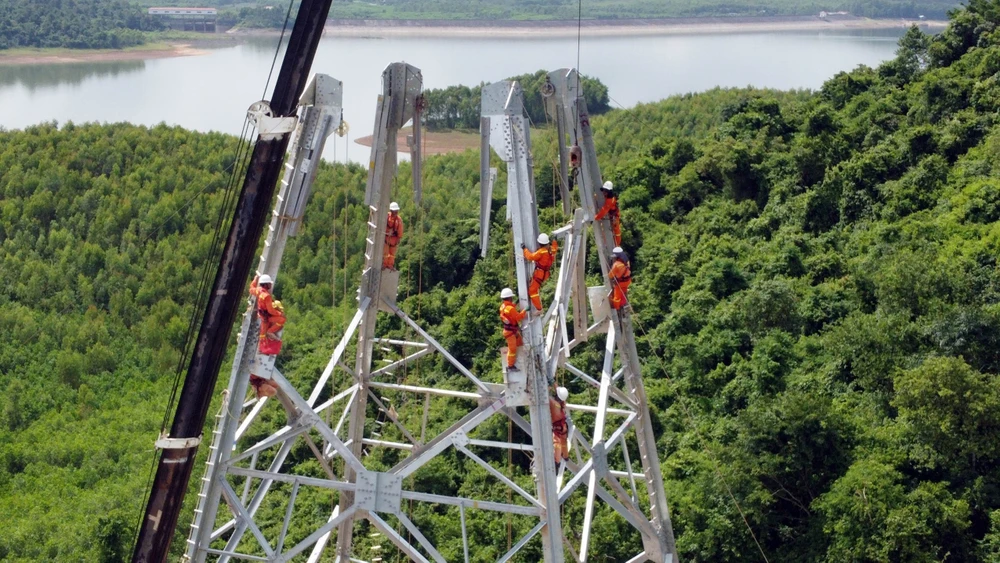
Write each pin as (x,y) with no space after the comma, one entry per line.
(212,92)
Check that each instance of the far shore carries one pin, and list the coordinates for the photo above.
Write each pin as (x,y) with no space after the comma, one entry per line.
(376,29)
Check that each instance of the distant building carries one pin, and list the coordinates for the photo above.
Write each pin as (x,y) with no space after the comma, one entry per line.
(188,19)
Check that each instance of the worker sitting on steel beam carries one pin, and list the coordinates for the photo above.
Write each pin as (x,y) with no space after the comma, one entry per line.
(393,232)
(543,258)
(610,209)
(272,321)
(560,426)
(620,276)
(511,318)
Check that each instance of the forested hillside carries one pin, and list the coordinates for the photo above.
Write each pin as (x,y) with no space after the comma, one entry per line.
(77,24)
(816,294)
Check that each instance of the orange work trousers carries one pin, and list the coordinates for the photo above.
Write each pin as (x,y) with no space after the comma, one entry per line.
(561,447)
(619,295)
(535,287)
(513,338)
(389,260)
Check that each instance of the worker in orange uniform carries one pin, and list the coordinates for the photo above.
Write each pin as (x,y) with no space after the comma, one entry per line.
(560,426)
(511,318)
(620,276)
(393,232)
(610,210)
(272,321)
(543,258)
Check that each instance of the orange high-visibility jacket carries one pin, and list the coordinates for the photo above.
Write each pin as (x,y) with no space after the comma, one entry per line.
(510,317)
(557,410)
(393,229)
(544,256)
(272,319)
(610,209)
(621,273)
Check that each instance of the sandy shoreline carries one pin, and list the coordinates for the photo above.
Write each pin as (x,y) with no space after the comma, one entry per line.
(470,29)
(676,26)
(63,56)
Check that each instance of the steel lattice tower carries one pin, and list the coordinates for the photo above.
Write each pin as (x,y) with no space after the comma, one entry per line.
(376,409)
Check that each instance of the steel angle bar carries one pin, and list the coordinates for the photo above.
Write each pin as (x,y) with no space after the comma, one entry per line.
(402,362)
(318,422)
(347,410)
(396,342)
(577,479)
(503,478)
(347,369)
(413,529)
(387,444)
(521,542)
(588,408)
(465,535)
(642,558)
(288,517)
(395,420)
(518,420)
(245,518)
(223,552)
(251,416)
(320,544)
(395,538)
(267,478)
(442,441)
(472,503)
(315,536)
(638,521)
(338,352)
(426,390)
(500,445)
(283,435)
(330,484)
(617,393)
(430,340)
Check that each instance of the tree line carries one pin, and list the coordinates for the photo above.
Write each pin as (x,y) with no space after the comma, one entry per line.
(458,107)
(76,24)
(816,297)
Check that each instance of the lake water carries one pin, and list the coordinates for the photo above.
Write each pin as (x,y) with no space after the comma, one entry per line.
(212,91)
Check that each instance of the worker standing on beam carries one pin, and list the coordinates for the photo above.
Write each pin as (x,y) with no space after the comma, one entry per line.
(272,322)
(620,276)
(393,232)
(543,258)
(560,426)
(610,210)
(511,318)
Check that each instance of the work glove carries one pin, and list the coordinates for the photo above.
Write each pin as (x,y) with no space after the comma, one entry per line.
(272,336)
(524,246)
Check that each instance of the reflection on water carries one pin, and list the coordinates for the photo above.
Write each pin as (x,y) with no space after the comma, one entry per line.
(211,92)
(34,77)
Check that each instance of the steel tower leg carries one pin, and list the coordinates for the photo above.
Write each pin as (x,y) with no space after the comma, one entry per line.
(320,113)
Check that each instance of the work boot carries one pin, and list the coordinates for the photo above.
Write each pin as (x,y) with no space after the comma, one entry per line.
(512,368)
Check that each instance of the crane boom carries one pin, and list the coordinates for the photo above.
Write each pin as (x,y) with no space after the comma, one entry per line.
(178,457)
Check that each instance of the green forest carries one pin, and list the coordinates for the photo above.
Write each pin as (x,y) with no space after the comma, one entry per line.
(76,24)
(815,292)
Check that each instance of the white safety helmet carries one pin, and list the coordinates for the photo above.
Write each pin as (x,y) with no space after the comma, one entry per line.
(543,238)
(265,279)
(394,206)
(507,293)
(617,250)
(562,393)
(608,186)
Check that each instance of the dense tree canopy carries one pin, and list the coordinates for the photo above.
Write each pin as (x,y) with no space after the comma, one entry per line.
(77,24)
(815,291)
